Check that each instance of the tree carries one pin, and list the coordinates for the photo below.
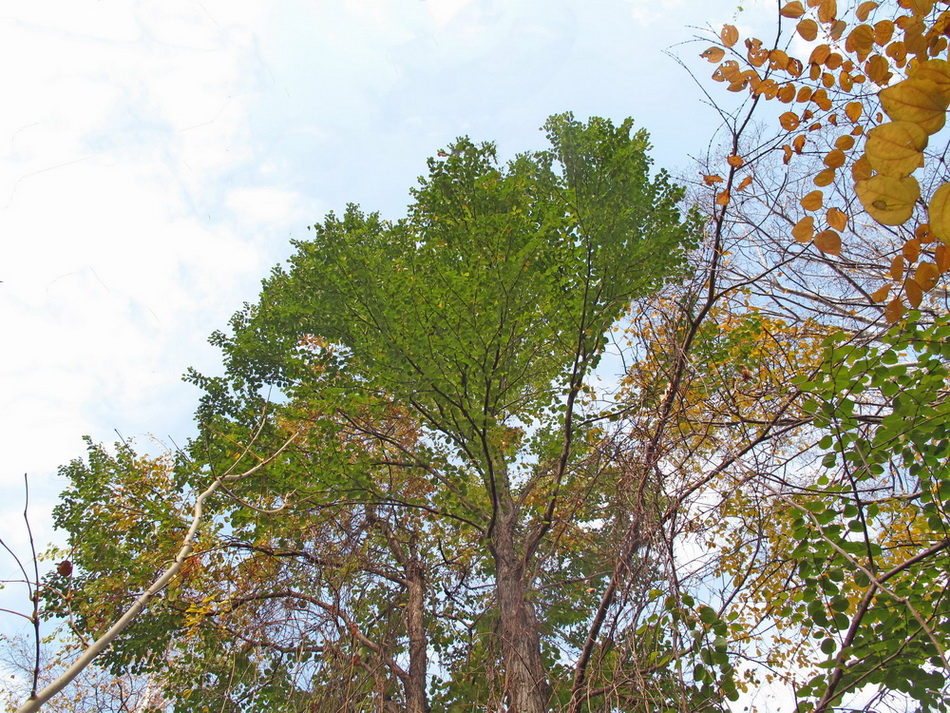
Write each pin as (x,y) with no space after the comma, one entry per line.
(450,493)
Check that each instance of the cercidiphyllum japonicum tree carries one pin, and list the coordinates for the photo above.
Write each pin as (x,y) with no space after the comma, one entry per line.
(450,496)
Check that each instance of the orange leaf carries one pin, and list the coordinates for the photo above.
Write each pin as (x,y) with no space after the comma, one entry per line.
(913,292)
(799,143)
(714,54)
(926,275)
(825,177)
(804,229)
(827,11)
(820,98)
(813,200)
(792,9)
(834,158)
(744,183)
(864,10)
(729,35)
(735,161)
(911,250)
(861,169)
(828,242)
(723,198)
(789,120)
(854,110)
(710,180)
(786,93)
(787,150)
(845,143)
(819,55)
(942,256)
(923,234)
(897,267)
(880,294)
(837,218)
(883,31)
(808,29)
(894,310)
(860,41)
(878,70)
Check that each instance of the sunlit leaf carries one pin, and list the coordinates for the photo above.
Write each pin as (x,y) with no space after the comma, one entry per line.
(880,294)
(939,212)
(819,55)
(926,275)
(813,200)
(804,229)
(896,148)
(827,11)
(878,70)
(735,161)
(834,158)
(861,169)
(792,9)
(808,29)
(889,200)
(854,110)
(824,177)
(837,218)
(729,35)
(714,54)
(789,120)
(845,143)
(864,10)
(916,100)
(883,31)
(936,71)
(860,41)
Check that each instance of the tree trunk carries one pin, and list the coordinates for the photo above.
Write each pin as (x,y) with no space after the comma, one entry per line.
(415,684)
(526,685)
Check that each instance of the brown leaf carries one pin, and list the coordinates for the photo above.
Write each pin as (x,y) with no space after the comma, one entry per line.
(714,54)
(897,268)
(735,161)
(729,35)
(827,11)
(808,29)
(942,257)
(789,120)
(744,183)
(913,293)
(828,242)
(894,310)
(65,568)
(722,198)
(926,275)
(792,9)
(864,10)
(834,158)
(710,180)
(837,218)
(804,229)
(879,295)
(911,250)
(825,177)
(854,110)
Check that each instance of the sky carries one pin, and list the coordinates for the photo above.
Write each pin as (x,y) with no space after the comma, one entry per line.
(157,157)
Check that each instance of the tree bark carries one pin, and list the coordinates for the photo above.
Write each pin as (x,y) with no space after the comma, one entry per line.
(526,684)
(416,701)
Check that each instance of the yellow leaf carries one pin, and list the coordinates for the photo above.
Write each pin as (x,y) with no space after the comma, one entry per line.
(917,100)
(894,310)
(889,200)
(714,54)
(813,200)
(897,268)
(837,218)
(864,10)
(827,11)
(854,110)
(729,35)
(936,71)
(828,242)
(808,29)
(804,229)
(896,148)
(880,294)
(926,275)
(913,293)
(735,161)
(939,210)
(835,158)
(792,9)
(825,177)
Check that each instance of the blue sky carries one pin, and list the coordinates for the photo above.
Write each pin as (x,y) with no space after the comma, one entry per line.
(157,157)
